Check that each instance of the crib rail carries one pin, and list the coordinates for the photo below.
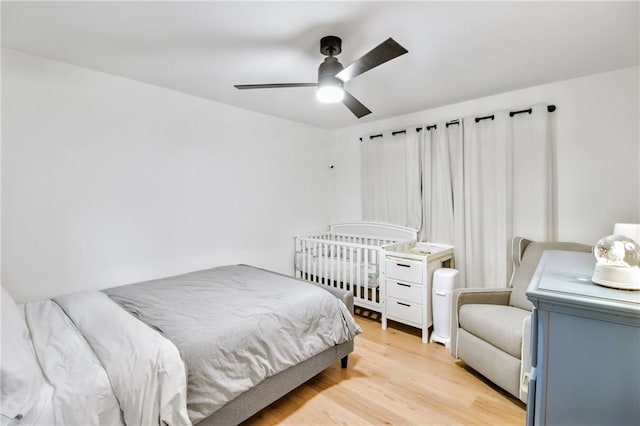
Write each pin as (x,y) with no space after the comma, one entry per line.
(348,238)
(349,262)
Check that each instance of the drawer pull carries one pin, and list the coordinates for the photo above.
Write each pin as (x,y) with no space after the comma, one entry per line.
(404,285)
(404,304)
(403,265)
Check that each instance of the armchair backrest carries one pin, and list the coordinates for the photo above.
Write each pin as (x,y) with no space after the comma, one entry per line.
(526,255)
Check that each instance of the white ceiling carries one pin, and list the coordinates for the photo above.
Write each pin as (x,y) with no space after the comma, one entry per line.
(457,50)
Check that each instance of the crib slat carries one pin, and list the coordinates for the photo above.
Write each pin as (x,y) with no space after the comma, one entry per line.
(366,274)
(304,255)
(318,260)
(334,263)
(327,265)
(351,268)
(339,264)
(316,272)
(323,263)
(358,277)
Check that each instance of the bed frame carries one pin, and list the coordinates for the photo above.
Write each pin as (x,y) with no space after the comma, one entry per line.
(275,387)
(350,256)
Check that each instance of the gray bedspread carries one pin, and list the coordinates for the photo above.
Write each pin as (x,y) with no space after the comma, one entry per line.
(237,325)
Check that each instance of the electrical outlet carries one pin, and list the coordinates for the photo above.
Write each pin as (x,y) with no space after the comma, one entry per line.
(524,386)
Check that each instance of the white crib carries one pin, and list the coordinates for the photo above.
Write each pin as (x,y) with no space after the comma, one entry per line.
(350,256)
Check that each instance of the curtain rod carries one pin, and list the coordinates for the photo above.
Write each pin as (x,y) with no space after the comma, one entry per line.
(373,137)
(550,108)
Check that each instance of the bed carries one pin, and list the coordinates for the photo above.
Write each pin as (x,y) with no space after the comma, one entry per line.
(208,347)
(350,256)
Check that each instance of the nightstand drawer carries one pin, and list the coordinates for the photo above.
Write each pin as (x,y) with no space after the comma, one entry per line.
(400,310)
(404,291)
(404,270)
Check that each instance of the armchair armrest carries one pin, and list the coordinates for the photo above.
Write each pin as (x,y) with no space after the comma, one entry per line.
(480,296)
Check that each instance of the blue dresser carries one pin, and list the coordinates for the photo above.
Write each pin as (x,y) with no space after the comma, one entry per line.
(585,346)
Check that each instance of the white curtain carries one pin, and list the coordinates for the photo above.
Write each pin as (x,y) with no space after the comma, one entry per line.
(437,192)
(414,199)
(483,182)
(533,175)
(443,189)
(456,144)
(508,190)
(391,179)
(487,200)
(427,138)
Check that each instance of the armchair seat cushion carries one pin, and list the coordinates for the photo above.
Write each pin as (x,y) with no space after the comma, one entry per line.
(498,325)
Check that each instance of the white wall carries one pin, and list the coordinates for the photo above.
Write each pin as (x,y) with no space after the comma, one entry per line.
(107,181)
(598,149)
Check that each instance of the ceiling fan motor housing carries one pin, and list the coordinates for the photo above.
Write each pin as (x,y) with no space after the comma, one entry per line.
(330,45)
(328,69)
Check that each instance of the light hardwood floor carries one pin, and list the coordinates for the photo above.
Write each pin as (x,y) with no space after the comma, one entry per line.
(393,378)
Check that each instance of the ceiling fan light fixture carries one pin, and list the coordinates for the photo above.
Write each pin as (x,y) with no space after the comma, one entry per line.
(330,90)
(330,94)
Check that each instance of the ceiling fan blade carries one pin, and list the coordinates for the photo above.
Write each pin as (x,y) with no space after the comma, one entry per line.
(385,51)
(273,86)
(355,105)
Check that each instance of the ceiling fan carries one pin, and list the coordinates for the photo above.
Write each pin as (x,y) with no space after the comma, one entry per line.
(332,75)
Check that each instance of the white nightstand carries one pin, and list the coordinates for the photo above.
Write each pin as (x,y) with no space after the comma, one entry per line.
(407,277)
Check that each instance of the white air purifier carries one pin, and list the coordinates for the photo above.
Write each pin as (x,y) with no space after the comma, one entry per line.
(444,281)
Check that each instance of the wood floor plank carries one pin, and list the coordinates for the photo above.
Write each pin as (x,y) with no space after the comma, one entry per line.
(393,378)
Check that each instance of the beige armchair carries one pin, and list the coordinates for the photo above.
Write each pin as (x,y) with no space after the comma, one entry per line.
(491,328)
